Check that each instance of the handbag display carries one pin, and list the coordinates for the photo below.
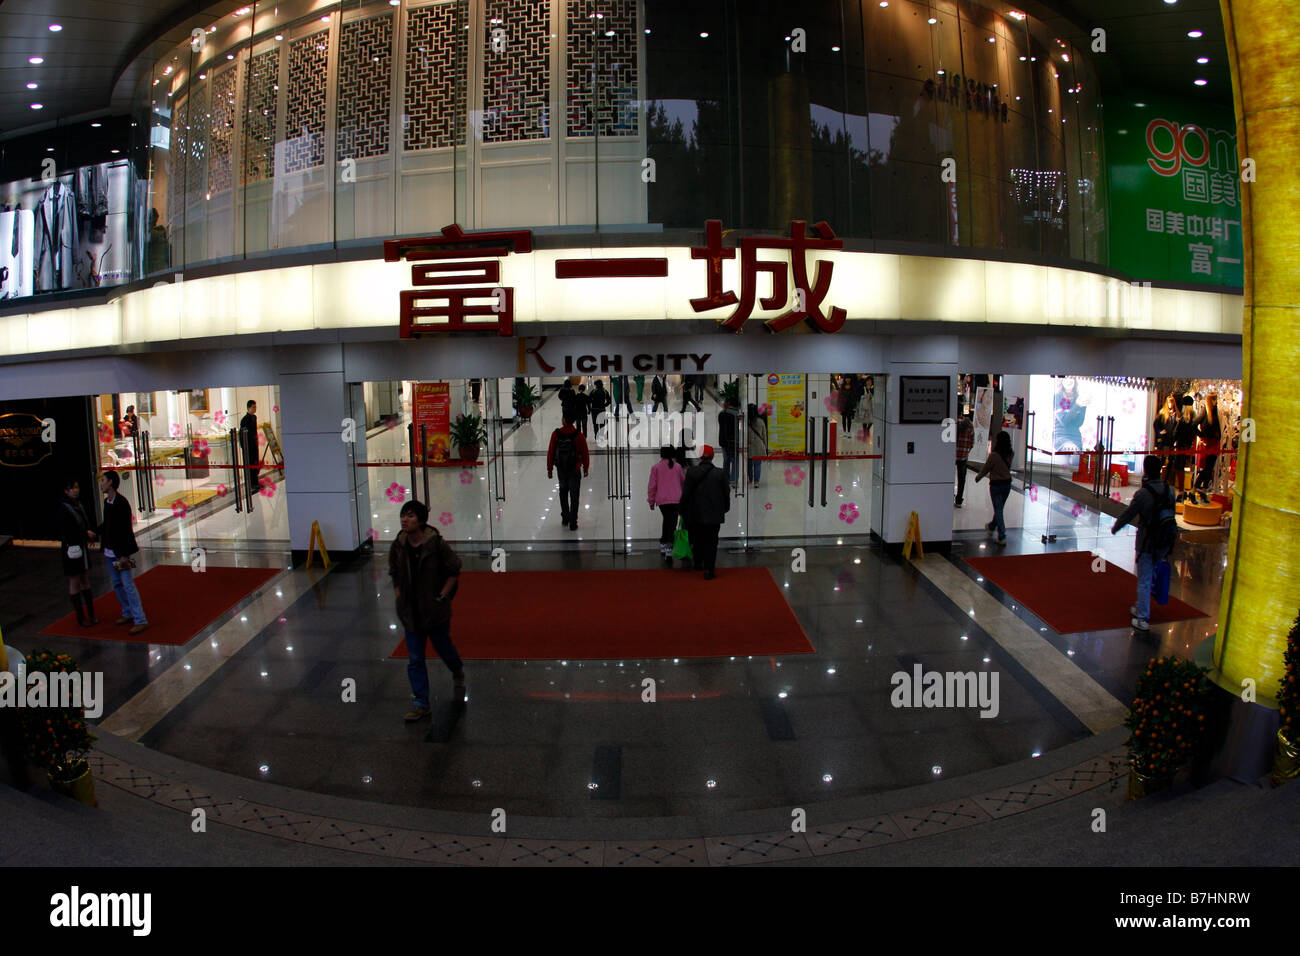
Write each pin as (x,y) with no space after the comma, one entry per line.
(682,542)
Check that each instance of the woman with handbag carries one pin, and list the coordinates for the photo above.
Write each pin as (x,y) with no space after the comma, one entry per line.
(74,534)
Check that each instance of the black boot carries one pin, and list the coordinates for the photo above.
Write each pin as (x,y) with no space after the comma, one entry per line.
(88,599)
(75,601)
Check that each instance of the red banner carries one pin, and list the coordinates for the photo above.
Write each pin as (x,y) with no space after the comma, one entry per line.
(431,408)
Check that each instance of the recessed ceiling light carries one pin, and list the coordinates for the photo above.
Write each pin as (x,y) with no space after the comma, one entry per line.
(49,149)
(36,60)
(230,56)
(203,76)
(38,106)
(1139,105)
(114,151)
(31,86)
(1202,59)
(1171,2)
(279,37)
(704,35)
(1015,15)
(884,3)
(1200,82)
(933,21)
(96,125)
(993,39)
(1195,34)
(55,27)
(835,49)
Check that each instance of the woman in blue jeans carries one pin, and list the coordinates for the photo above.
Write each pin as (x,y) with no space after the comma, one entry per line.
(998,468)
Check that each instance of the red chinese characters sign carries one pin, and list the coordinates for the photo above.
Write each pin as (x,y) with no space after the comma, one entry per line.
(449,305)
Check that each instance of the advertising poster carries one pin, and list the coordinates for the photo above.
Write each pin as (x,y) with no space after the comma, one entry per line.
(983,419)
(1175,191)
(788,422)
(1014,416)
(430,407)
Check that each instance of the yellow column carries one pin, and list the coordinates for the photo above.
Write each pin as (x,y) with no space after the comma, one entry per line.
(1261,586)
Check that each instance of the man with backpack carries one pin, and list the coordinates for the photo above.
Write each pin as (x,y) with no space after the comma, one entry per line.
(1157,533)
(566,454)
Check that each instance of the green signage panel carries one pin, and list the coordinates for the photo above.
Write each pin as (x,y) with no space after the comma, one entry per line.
(1175,191)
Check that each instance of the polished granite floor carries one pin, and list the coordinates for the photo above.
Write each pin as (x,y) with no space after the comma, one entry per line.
(573,739)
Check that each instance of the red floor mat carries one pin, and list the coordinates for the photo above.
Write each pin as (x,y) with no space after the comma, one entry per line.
(178,601)
(1064,591)
(585,615)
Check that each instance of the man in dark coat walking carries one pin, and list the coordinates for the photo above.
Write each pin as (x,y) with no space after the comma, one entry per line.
(706,499)
(248,448)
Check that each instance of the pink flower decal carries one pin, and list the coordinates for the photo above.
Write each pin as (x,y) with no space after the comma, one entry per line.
(158,481)
(276,409)
(1115,495)
(175,430)
(445,519)
(222,491)
(396,493)
(466,477)
(219,418)
(849,513)
(266,488)
(179,509)
(1076,510)
(372,534)
(794,475)
(1065,404)
(839,489)
(767,506)
(1033,492)
(201,448)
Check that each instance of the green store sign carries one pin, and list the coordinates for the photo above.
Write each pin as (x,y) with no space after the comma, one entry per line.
(1175,192)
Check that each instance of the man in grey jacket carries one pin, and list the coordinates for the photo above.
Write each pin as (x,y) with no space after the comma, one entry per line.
(706,499)
(1153,497)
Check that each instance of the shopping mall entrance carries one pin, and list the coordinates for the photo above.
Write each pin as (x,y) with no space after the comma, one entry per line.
(799,449)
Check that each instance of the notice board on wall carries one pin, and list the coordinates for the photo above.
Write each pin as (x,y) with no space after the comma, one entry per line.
(788,422)
(430,409)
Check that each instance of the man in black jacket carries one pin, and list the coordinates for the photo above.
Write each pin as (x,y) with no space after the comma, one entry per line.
(248,447)
(119,545)
(425,571)
(1153,497)
(706,499)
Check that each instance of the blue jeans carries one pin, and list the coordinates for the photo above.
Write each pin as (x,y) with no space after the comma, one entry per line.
(127,595)
(731,463)
(1146,575)
(755,470)
(999,492)
(440,635)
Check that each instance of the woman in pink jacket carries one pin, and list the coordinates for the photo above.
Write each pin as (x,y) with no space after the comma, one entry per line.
(665,490)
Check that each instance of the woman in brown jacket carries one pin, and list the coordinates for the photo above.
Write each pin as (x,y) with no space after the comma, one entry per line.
(425,571)
(998,467)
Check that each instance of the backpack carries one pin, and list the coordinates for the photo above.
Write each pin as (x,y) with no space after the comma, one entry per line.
(1163,532)
(566,452)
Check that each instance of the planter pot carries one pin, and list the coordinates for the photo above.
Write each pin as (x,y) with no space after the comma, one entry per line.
(1141,784)
(468,452)
(525,411)
(81,787)
(1286,760)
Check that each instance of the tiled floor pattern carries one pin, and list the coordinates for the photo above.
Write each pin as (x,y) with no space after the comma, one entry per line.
(502,850)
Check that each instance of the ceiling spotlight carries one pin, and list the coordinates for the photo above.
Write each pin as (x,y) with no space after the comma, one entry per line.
(1202,59)
(31,86)
(1171,2)
(1200,82)
(38,106)
(96,125)
(1139,105)
(704,35)
(114,151)
(36,60)
(55,27)
(932,21)
(1195,34)
(993,39)
(279,37)
(835,49)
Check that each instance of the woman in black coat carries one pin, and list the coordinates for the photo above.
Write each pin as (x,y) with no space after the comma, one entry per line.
(74,547)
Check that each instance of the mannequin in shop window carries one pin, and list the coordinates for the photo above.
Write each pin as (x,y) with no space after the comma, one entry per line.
(1184,442)
(1163,428)
(1209,429)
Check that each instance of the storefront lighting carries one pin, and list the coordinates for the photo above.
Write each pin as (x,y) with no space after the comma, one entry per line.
(1065,57)
(1139,105)
(230,56)
(243,10)
(609,33)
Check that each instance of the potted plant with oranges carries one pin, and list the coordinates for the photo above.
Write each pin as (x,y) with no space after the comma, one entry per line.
(56,738)
(1166,723)
(1286,761)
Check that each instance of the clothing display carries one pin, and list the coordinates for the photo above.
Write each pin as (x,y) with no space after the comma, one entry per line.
(16,241)
(56,239)
(91,189)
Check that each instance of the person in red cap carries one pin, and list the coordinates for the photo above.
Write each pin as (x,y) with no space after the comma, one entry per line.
(706,499)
